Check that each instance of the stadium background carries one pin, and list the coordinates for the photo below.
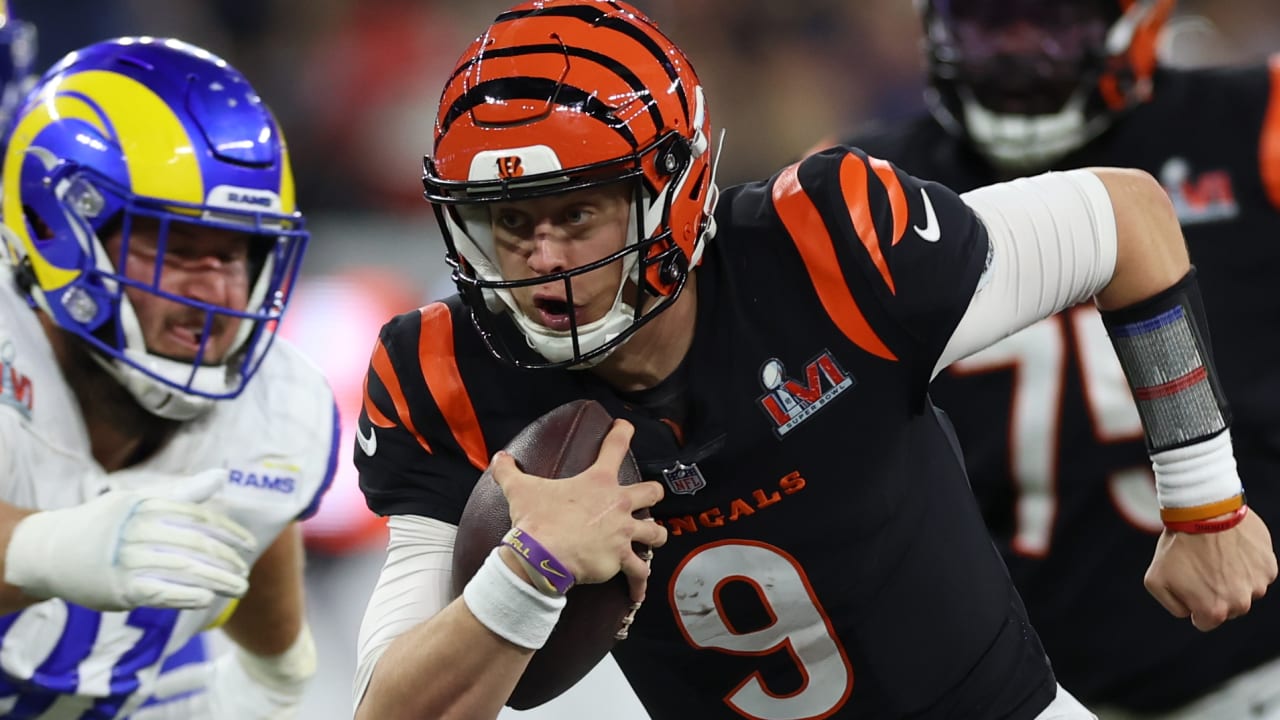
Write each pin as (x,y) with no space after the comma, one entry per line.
(354,85)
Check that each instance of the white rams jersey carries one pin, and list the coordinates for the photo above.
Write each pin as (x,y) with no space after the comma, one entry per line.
(278,439)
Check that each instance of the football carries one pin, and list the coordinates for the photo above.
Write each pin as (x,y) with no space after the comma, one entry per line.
(560,444)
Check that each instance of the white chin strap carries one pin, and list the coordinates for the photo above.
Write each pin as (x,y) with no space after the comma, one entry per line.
(1028,142)
(156,397)
(557,345)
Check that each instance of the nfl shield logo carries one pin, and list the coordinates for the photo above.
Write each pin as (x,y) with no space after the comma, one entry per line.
(684,479)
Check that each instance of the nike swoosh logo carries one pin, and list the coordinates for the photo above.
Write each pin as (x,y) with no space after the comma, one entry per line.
(368,444)
(546,566)
(930,232)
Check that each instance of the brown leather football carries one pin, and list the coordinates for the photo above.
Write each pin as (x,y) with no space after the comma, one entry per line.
(560,444)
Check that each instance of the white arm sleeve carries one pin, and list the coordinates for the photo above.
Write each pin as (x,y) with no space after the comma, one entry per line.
(415,584)
(1053,245)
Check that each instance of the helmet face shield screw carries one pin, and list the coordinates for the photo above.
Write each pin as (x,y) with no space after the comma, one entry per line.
(79,305)
(85,199)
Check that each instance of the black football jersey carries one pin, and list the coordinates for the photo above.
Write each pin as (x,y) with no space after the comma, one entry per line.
(1050,433)
(826,557)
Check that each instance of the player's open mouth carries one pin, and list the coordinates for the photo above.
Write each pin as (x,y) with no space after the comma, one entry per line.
(555,314)
(188,338)
(182,341)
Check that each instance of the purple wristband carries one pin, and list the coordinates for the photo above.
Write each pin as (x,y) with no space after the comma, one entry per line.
(547,573)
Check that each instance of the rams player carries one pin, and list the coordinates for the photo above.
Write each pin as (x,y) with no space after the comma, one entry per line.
(157,446)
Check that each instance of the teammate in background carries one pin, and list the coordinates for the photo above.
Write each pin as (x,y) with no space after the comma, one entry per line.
(823,557)
(1052,438)
(17,62)
(151,240)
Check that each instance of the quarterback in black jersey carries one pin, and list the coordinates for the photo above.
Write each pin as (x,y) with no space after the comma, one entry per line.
(1050,432)
(819,553)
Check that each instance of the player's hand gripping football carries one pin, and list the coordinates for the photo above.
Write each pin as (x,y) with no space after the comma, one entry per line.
(585,521)
(124,549)
(1213,577)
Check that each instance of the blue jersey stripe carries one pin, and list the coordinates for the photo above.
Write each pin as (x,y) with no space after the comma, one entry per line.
(331,468)
(32,705)
(59,672)
(196,650)
(7,684)
(157,626)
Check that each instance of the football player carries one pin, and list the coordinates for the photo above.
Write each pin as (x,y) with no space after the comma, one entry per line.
(17,61)
(821,552)
(1052,439)
(150,489)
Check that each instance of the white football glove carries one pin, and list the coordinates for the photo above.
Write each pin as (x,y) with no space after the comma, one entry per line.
(157,547)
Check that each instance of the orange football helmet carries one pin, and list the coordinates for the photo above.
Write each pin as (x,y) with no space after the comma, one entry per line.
(559,95)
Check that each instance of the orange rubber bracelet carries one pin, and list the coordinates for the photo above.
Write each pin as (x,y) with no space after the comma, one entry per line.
(1201,512)
(1200,527)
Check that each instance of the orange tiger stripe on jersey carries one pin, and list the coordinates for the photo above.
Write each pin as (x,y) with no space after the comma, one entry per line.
(440,369)
(375,415)
(1269,144)
(803,222)
(897,197)
(853,184)
(381,363)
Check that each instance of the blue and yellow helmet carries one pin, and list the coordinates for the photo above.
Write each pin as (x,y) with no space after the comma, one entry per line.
(154,129)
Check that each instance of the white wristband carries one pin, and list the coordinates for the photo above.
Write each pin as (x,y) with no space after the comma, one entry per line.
(510,607)
(253,686)
(287,671)
(1197,474)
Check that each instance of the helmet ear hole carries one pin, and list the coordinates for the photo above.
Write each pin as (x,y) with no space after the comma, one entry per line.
(38,226)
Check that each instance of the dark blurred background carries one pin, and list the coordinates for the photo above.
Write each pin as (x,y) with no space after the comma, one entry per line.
(355,84)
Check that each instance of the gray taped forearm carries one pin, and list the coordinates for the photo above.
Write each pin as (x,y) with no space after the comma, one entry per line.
(1163,347)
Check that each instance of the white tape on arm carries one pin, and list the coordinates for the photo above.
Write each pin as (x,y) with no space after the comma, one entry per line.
(1053,245)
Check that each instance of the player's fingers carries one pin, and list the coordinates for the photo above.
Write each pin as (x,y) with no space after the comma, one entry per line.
(183,569)
(153,592)
(1210,617)
(644,494)
(615,446)
(650,533)
(637,572)
(187,541)
(504,469)
(1207,607)
(1165,596)
(205,520)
